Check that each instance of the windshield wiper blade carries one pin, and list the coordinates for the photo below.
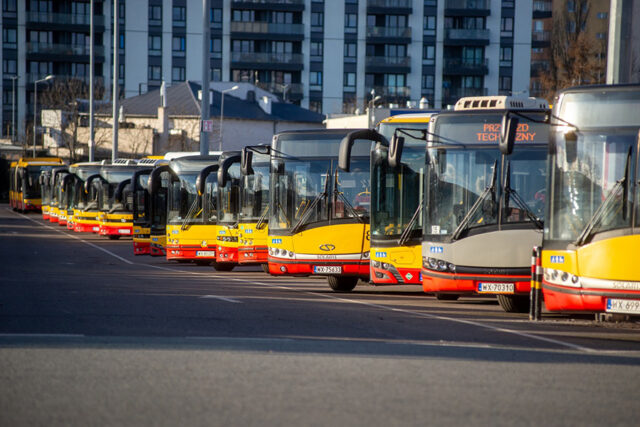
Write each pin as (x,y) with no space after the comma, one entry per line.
(261,219)
(607,204)
(348,205)
(488,190)
(407,230)
(314,203)
(511,193)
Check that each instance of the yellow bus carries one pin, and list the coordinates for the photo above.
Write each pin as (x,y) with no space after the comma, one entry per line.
(82,199)
(317,223)
(190,226)
(141,205)
(396,200)
(228,210)
(57,177)
(24,186)
(115,216)
(254,206)
(592,236)
(73,197)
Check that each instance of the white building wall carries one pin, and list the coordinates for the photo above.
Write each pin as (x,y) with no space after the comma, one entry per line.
(22,71)
(437,94)
(167,40)
(136,41)
(237,134)
(107,40)
(306,53)
(493,50)
(361,48)
(194,42)
(414,51)
(333,65)
(226,41)
(522,27)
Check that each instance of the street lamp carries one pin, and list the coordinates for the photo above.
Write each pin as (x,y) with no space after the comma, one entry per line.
(222,112)
(35,108)
(13,108)
(372,105)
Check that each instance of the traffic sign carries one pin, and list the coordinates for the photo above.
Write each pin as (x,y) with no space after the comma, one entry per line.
(207,126)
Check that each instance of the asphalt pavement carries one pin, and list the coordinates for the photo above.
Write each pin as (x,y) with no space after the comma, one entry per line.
(91,334)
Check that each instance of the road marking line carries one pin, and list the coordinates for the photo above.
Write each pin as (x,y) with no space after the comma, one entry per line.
(42,335)
(77,238)
(222,298)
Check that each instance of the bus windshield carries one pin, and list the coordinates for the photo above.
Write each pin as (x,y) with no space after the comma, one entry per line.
(229,203)
(255,190)
(182,196)
(31,185)
(397,192)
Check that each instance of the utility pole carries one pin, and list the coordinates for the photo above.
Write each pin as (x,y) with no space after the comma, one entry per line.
(116,55)
(91,94)
(204,102)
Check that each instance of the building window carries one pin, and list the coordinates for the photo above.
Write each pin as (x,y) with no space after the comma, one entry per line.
(216,48)
(243,16)
(394,80)
(316,51)
(504,83)
(317,21)
(215,16)
(179,16)
(177,74)
(428,54)
(601,36)
(603,15)
(121,71)
(506,27)
(155,72)
(10,38)
(121,41)
(242,46)
(315,78)
(571,6)
(428,81)
(155,15)
(155,45)
(9,6)
(506,56)
(179,45)
(349,82)
(216,75)
(315,106)
(429,25)
(350,52)
(9,66)
(283,18)
(350,23)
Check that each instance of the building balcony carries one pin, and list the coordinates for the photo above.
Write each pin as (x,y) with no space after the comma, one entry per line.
(390,91)
(398,64)
(285,5)
(267,28)
(32,77)
(288,91)
(400,7)
(538,67)
(542,9)
(268,61)
(451,95)
(62,49)
(467,8)
(62,19)
(540,38)
(465,67)
(462,36)
(389,32)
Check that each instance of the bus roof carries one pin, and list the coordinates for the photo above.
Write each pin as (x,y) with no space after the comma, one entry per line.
(39,161)
(501,102)
(409,118)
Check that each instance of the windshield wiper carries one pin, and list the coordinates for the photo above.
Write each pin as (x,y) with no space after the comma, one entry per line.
(488,190)
(261,219)
(607,204)
(348,205)
(309,209)
(190,214)
(511,193)
(407,230)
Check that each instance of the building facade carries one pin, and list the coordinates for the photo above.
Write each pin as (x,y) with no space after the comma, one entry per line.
(332,56)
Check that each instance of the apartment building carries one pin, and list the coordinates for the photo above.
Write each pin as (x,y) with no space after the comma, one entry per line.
(331,56)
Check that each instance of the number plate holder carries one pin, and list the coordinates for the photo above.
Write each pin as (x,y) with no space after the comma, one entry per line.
(206,253)
(496,288)
(327,269)
(625,306)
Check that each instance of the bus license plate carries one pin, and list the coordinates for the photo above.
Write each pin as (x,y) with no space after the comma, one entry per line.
(327,269)
(206,253)
(496,288)
(121,231)
(629,306)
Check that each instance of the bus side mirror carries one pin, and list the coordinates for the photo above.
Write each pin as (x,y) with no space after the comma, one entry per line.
(245,164)
(571,145)
(508,134)
(344,157)
(395,151)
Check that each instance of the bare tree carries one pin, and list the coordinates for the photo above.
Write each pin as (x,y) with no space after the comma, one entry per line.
(576,55)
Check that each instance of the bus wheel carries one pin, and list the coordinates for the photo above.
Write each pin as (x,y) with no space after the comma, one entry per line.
(447,297)
(114,237)
(265,268)
(342,283)
(514,303)
(223,266)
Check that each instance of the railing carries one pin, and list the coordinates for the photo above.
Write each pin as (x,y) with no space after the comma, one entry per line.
(266,58)
(467,4)
(542,6)
(388,61)
(63,49)
(538,66)
(280,88)
(32,77)
(466,34)
(402,91)
(466,64)
(270,1)
(540,36)
(402,32)
(266,28)
(63,18)
(451,95)
(401,4)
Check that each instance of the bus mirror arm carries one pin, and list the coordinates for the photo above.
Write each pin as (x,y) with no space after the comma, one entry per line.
(395,150)
(346,145)
(508,134)
(246,168)
(223,168)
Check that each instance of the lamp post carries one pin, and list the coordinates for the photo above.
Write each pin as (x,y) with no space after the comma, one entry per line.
(13,108)
(35,108)
(222,112)
(372,105)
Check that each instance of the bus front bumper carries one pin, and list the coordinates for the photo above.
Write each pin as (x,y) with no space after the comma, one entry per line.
(438,281)
(253,255)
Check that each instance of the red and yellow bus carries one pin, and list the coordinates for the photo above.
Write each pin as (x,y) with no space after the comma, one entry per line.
(24,186)
(228,210)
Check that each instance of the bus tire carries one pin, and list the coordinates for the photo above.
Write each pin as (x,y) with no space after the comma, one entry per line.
(514,303)
(113,237)
(223,266)
(265,268)
(447,297)
(342,283)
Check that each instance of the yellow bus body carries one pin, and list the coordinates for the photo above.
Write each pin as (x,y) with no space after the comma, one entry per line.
(252,243)
(195,242)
